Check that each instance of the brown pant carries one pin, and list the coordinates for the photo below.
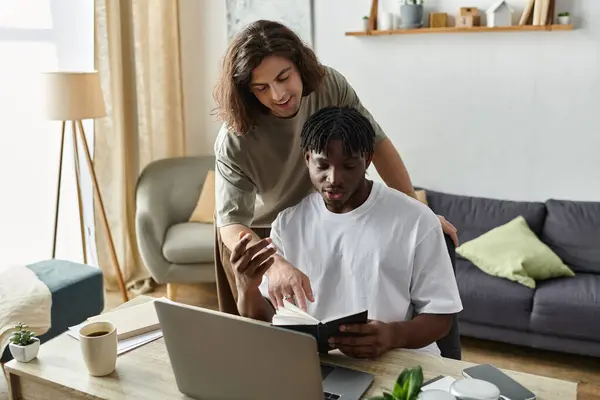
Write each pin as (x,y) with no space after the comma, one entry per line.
(226,289)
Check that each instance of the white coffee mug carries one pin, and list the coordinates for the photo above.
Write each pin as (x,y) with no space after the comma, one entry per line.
(98,342)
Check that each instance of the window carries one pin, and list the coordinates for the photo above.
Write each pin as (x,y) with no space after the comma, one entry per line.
(38,36)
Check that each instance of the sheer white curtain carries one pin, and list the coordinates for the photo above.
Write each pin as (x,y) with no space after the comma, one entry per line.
(137,49)
(38,36)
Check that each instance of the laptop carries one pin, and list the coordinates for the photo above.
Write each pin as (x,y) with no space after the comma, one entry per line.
(216,356)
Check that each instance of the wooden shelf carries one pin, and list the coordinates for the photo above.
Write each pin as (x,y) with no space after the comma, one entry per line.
(464,30)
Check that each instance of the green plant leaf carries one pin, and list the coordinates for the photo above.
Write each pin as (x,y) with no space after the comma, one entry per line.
(389,396)
(400,385)
(408,384)
(22,336)
(415,383)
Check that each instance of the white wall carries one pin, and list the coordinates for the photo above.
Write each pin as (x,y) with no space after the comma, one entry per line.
(509,115)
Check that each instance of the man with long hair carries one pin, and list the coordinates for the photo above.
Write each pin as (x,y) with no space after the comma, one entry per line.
(270,84)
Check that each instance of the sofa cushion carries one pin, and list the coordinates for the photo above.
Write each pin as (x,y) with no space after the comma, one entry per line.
(473,216)
(492,301)
(568,306)
(189,243)
(514,252)
(572,231)
(204,212)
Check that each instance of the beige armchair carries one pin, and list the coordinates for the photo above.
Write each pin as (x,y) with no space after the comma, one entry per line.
(174,249)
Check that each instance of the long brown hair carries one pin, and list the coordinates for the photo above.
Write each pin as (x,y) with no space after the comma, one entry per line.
(237,106)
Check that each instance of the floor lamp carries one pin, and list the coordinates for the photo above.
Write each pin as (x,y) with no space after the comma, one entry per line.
(70,98)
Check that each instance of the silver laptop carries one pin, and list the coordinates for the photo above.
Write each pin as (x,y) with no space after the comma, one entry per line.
(221,356)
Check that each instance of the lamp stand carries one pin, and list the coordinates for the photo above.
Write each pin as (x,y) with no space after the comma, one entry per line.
(113,254)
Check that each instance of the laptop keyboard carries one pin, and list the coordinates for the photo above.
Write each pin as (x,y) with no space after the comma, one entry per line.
(329,396)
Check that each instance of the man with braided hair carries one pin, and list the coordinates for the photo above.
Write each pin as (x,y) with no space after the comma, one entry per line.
(362,244)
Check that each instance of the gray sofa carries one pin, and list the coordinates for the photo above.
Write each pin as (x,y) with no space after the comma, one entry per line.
(561,314)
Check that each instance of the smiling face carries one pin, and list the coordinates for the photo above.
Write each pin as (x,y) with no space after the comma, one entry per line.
(277,84)
(339,177)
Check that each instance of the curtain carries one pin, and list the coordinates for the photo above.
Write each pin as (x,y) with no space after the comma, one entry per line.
(137,57)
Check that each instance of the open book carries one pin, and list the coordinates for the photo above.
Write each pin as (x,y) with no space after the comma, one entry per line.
(292,317)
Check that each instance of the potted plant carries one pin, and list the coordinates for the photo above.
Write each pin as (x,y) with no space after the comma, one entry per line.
(564,18)
(365,23)
(23,343)
(407,386)
(411,14)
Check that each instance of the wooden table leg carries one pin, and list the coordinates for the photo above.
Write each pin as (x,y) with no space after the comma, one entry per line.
(12,381)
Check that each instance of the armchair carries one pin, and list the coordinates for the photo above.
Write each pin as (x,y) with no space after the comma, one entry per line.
(174,250)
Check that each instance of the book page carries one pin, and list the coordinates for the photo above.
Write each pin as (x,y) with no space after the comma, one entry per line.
(292,315)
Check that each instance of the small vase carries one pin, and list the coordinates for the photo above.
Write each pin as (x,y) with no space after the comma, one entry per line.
(25,353)
(386,22)
(365,25)
(411,16)
(564,20)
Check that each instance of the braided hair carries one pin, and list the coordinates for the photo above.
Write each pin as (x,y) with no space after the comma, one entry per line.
(335,123)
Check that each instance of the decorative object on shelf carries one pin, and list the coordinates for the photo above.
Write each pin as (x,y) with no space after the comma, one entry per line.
(438,20)
(73,97)
(543,12)
(473,20)
(458,29)
(411,14)
(538,12)
(407,386)
(372,24)
(550,13)
(365,20)
(564,18)
(499,14)
(468,17)
(24,344)
(386,22)
(527,16)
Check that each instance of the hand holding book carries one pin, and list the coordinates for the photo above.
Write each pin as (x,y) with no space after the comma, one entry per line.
(292,317)
(369,340)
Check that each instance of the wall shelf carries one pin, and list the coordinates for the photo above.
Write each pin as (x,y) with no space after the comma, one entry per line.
(475,29)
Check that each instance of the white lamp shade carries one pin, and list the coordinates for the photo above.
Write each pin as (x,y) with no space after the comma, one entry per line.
(72,96)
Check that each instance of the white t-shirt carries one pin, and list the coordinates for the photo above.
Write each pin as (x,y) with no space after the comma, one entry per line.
(386,256)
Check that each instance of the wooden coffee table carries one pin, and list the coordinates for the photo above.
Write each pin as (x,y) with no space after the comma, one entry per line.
(145,373)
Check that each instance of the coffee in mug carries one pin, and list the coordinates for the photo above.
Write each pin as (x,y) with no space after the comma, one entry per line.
(98,342)
(96,334)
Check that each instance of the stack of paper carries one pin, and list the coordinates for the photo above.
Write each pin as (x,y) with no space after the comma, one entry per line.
(136,325)
(124,345)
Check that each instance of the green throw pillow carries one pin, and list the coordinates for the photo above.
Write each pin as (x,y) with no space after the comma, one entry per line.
(514,252)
